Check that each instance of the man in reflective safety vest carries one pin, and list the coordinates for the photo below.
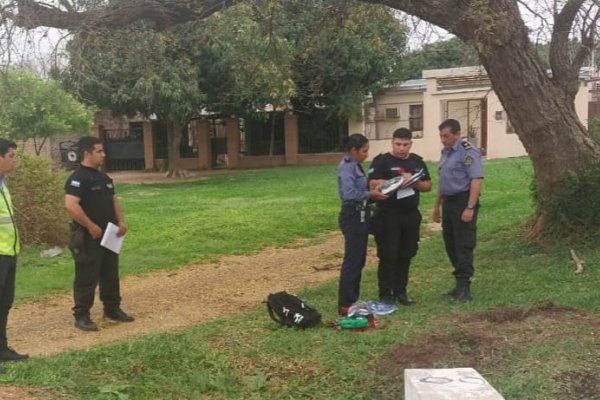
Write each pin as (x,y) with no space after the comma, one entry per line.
(9,248)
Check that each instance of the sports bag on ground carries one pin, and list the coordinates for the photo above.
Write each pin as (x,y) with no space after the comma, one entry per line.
(289,310)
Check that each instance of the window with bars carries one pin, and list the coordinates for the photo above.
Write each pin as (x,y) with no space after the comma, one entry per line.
(415,120)
(391,113)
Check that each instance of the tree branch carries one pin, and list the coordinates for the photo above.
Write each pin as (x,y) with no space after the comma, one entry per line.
(163,13)
(564,72)
(588,38)
(444,13)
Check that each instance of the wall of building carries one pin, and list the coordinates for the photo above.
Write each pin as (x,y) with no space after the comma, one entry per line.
(250,162)
(384,125)
(319,159)
(503,142)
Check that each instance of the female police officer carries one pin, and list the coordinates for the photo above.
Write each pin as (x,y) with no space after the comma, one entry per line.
(353,218)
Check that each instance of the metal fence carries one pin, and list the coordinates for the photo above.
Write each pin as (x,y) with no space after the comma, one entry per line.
(264,134)
(319,133)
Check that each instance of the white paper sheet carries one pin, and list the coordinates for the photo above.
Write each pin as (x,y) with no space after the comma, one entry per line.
(402,193)
(110,240)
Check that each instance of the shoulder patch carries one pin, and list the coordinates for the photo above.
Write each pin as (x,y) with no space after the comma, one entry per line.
(468,160)
(466,145)
(75,183)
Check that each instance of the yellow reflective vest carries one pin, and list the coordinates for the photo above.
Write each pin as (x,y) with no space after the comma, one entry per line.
(9,238)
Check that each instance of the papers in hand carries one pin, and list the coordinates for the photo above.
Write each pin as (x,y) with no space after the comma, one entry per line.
(390,185)
(414,178)
(398,182)
(110,240)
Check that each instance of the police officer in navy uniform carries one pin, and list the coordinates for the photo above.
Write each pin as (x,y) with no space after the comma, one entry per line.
(353,218)
(397,224)
(461,176)
(90,200)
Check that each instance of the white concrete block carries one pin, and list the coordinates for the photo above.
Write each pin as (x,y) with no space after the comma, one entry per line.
(447,384)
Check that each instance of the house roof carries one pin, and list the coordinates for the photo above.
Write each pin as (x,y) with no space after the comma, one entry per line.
(410,85)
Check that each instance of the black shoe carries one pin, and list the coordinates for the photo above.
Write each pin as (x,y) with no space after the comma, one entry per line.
(461,297)
(387,299)
(8,354)
(118,315)
(463,293)
(85,324)
(405,300)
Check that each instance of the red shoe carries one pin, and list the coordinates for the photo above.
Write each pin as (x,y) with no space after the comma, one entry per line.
(372,323)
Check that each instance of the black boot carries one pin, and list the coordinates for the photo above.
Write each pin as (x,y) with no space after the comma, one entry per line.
(463,292)
(8,354)
(386,296)
(402,298)
(116,314)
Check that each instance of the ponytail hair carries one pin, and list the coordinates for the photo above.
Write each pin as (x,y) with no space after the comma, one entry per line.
(355,141)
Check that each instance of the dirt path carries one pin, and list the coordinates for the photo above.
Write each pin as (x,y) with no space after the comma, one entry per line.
(171,300)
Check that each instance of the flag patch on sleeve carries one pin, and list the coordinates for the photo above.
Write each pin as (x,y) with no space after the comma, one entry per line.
(75,183)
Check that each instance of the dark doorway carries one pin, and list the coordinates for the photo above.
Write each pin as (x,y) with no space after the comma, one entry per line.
(124,148)
(264,134)
(321,133)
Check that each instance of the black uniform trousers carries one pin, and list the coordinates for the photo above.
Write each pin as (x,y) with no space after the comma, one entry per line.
(97,265)
(397,235)
(8,268)
(356,235)
(459,237)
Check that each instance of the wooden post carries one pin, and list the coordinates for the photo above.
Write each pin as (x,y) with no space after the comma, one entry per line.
(148,146)
(291,138)
(232,131)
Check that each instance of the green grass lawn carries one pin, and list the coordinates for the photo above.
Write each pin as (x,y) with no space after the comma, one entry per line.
(172,225)
(525,350)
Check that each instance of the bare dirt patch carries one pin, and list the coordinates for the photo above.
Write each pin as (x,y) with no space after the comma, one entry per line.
(152,177)
(580,385)
(18,393)
(485,341)
(171,300)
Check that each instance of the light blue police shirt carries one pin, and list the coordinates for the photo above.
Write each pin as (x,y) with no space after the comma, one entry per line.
(352,181)
(458,166)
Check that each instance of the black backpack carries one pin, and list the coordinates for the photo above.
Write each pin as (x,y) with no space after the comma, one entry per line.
(289,310)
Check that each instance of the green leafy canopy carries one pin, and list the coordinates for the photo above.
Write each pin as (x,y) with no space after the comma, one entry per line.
(319,54)
(37,108)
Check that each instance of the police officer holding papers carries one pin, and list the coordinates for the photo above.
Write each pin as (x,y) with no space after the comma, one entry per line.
(397,224)
(90,200)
